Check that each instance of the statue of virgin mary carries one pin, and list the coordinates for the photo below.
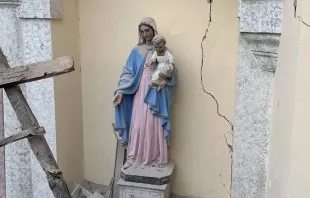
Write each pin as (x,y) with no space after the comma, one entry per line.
(142,114)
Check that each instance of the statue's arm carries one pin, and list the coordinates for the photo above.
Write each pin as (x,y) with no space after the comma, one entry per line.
(127,74)
(154,58)
(170,58)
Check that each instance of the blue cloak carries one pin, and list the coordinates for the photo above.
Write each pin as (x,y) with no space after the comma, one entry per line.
(159,102)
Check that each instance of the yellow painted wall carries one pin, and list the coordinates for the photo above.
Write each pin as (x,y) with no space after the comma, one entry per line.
(300,159)
(68,96)
(284,105)
(289,162)
(108,32)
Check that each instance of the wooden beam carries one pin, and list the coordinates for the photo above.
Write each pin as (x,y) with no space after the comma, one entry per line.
(24,134)
(37,144)
(36,71)
(119,162)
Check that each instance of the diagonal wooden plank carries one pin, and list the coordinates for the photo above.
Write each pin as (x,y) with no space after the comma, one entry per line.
(21,135)
(36,71)
(119,162)
(37,144)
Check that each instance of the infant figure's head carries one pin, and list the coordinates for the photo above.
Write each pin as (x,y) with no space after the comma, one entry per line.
(159,43)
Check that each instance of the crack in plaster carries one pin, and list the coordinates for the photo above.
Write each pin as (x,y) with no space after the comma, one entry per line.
(295,11)
(230,147)
(306,24)
(223,181)
(202,84)
(295,7)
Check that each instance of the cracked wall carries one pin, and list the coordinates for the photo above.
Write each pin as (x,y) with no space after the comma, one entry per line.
(201,138)
(289,160)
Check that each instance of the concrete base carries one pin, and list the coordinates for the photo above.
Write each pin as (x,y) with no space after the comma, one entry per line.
(149,174)
(146,181)
(139,190)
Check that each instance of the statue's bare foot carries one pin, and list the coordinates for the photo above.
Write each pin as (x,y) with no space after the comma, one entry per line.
(153,85)
(159,167)
(126,165)
(142,166)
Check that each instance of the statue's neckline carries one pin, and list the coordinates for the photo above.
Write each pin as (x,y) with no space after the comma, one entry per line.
(148,47)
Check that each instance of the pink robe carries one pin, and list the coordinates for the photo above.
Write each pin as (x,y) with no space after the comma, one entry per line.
(147,144)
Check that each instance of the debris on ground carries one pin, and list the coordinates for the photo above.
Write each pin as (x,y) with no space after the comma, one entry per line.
(81,192)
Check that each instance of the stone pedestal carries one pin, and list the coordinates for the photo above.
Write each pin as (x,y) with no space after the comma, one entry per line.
(140,190)
(146,182)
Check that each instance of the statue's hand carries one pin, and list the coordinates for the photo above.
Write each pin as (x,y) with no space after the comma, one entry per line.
(170,73)
(117,99)
(162,75)
(149,64)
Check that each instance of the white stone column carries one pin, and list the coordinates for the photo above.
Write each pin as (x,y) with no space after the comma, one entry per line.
(260,30)
(17,156)
(25,37)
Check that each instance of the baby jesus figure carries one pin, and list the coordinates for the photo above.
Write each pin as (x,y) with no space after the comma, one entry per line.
(165,62)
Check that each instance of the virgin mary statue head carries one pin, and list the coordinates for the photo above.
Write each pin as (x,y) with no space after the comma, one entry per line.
(147,30)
